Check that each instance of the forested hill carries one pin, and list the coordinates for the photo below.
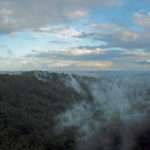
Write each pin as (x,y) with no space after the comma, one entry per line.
(56,111)
(29,104)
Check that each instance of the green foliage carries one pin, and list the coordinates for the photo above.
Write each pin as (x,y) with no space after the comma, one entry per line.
(28,107)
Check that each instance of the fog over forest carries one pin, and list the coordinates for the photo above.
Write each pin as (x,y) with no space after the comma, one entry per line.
(107,111)
(74,74)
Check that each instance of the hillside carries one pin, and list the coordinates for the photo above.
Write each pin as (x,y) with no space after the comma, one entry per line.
(53,111)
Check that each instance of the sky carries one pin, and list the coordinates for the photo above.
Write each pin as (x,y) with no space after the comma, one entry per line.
(74,35)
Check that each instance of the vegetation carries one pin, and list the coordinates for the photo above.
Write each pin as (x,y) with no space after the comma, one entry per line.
(28,107)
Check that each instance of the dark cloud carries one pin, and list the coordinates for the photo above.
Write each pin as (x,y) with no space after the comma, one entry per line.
(116,36)
(144,62)
(84,53)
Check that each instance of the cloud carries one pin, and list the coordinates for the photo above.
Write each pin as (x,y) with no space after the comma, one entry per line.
(91,59)
(142,19)
(80,52)
(94,64)
(72,58)
(142,58)
(60,31)
(16,15)
(68,54)
(88,57)
(117,36)
(144,62)
(25,63)
(132,60)
(77,14)
(5,12)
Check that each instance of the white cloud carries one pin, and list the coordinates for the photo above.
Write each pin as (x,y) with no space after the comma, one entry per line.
(70,32)
(80,52)
(63,31)
(77,14)
(142,19)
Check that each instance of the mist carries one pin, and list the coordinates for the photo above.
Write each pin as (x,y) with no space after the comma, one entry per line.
(116,116)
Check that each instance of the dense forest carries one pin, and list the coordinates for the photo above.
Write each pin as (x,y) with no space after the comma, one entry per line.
(52,111)
(28,107)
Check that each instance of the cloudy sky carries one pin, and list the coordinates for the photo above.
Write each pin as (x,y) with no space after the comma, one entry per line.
(74,34)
